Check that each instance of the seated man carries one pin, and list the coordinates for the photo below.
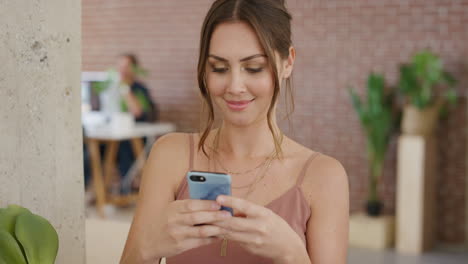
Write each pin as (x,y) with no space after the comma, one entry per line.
(137,101)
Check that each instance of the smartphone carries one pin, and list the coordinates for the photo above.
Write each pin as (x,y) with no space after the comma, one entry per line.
(205,185)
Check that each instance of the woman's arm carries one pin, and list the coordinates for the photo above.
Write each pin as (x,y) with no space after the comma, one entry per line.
(262,232)
(161,226)
(326,189)
(133,105)
(162,172)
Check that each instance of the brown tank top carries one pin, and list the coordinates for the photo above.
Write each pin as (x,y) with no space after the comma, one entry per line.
(296,216)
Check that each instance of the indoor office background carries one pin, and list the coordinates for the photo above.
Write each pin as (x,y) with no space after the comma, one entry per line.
(339,43)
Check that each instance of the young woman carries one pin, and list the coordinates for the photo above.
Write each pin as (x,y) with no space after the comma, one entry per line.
(290,202)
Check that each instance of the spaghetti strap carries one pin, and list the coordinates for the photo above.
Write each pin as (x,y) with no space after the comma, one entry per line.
(191,152)
(304,168)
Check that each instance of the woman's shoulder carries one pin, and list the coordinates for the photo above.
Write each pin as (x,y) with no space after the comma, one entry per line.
(327,165)
(172,144)
(324,179)
(319,163)
(169,155)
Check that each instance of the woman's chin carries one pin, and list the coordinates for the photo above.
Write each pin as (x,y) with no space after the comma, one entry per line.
(239,121)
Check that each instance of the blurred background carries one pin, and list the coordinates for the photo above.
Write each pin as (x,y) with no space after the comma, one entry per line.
(339,43)
(381,85)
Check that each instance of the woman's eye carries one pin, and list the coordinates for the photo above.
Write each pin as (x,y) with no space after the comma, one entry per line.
(253,70)
(219,70)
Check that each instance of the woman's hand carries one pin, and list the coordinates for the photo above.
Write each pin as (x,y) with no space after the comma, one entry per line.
(262,232)
(184,227)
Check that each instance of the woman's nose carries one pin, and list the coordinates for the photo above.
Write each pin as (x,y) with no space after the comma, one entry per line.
(236,83)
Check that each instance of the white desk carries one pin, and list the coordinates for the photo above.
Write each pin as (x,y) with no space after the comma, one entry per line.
(94,135)
(105,132)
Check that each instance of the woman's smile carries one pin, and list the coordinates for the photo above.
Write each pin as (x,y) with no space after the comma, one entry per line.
(238,105)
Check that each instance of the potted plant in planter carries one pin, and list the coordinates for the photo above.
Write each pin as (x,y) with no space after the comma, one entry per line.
(418,82)
(379,121)
(26,238)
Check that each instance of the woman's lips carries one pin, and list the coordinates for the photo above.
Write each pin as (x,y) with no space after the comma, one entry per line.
(238,105)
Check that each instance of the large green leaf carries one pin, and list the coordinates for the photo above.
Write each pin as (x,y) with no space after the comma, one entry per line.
(8,217)
(10,251)
(38,238)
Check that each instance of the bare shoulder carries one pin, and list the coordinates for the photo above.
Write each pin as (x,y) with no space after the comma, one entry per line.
(326,179)
(162,172)
(324,166)
(169,156)
(321,164)
(324,174)
(171,143)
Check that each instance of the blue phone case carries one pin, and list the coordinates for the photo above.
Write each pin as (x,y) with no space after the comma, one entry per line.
(214,185)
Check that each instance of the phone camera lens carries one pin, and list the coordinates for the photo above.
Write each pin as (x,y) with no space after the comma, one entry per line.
(197,178)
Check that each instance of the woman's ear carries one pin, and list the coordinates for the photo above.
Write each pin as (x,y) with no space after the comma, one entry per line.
(289,63)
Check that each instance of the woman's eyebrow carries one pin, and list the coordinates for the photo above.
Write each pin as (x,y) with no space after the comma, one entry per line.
(241,60)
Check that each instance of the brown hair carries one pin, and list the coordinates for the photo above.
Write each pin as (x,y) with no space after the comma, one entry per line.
(271,22)
(132,57)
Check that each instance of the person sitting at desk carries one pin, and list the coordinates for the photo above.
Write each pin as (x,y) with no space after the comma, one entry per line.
(137,101)
(135,96)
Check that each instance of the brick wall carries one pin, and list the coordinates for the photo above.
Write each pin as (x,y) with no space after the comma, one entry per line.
(338,43)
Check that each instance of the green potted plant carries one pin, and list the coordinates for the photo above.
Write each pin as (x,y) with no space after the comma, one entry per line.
(379,121)
(429,92)
(26,238)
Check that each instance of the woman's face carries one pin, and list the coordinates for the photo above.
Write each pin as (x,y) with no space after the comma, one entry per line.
(238,76)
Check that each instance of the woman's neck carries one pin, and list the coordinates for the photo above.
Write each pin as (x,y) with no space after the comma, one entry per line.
(253,141)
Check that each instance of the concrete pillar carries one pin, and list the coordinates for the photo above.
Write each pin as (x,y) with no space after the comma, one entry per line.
(40,124)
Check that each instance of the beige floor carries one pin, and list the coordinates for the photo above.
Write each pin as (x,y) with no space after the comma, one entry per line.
(362,256)
(105,240)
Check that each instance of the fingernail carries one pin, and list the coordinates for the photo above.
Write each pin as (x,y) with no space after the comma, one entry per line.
(221,199)
(216,206)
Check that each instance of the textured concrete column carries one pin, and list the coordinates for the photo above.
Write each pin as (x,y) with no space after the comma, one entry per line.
(40,127)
